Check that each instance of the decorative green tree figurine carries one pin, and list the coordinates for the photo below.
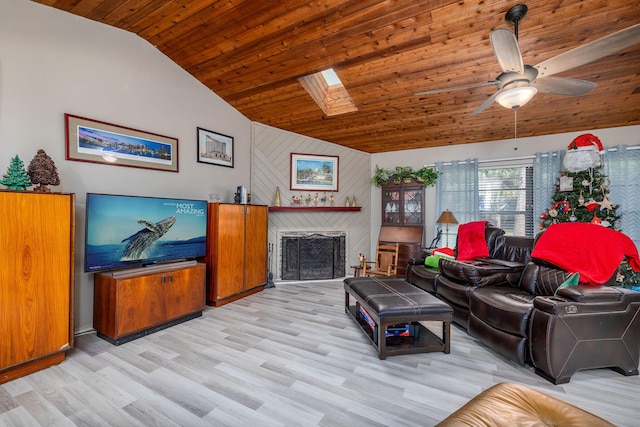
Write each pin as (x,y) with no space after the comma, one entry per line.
(43,171)
(16,177)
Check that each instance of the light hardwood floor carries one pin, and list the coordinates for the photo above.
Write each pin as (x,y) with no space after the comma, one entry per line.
(285,356)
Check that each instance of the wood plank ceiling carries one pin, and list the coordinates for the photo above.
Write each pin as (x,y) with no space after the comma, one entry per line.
(252,53)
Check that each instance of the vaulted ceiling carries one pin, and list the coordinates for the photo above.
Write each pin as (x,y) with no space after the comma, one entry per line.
(252,53)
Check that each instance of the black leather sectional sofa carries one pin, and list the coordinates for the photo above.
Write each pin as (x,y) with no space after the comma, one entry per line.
(516,306)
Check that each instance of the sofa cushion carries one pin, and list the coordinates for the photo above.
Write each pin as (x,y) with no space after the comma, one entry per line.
(424,278)
(542,280)
(503,308)
(513,248)
(513,347)
(474,273)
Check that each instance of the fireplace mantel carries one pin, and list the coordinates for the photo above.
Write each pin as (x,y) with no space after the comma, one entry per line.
(315,208)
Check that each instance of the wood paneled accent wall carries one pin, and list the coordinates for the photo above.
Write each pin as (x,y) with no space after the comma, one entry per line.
(271,169)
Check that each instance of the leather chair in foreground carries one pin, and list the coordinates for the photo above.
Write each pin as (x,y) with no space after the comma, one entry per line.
(508,405)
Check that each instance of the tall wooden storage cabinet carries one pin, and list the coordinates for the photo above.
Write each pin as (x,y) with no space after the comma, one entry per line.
(236,252)
(37,237)
(403,220)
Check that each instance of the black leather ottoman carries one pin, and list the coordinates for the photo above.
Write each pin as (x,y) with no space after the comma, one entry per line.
(392,301)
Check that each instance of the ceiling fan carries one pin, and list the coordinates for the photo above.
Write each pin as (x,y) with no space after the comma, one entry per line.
(518,83)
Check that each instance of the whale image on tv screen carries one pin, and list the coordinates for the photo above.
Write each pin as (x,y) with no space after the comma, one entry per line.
(130,231)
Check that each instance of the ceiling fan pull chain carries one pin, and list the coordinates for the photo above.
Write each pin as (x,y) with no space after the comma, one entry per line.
(515,123)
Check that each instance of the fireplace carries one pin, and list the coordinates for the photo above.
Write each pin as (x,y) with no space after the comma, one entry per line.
(313,255)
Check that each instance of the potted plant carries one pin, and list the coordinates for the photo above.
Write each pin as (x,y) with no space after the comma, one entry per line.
(397,175)
(381,176)
(407,174)
(426,176)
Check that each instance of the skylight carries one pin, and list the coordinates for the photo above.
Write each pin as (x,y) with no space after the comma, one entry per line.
(328,92)
(331,77)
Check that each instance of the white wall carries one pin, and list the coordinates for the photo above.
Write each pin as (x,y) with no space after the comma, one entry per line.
(493,150)
(52,63)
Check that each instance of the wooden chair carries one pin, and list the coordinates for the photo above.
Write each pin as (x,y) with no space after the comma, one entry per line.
(386,261)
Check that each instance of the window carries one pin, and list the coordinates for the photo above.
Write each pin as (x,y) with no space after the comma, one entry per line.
(506,198)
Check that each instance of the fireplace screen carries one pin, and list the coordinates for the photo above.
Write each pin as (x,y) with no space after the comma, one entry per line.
(313,257)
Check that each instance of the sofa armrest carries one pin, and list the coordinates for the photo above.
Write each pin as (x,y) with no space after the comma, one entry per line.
(416,261)
(586,299)
(590,293)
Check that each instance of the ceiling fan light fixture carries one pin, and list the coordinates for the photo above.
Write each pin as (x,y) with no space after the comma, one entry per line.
(516,97)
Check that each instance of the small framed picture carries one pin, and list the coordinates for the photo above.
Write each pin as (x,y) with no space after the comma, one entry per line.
(215,148)
(566,183)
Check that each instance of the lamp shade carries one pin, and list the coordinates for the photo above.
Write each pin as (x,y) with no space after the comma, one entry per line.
(447,217)
(516,97)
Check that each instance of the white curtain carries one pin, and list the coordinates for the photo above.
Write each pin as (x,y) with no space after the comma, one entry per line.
(546,170)
(457,191)
(622,166)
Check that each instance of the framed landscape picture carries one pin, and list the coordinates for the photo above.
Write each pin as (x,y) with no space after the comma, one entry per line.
(215,148)
(310,172)
(95,141)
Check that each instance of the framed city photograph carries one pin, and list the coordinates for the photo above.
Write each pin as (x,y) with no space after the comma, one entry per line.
(310,172)
(215,148)
(95,141)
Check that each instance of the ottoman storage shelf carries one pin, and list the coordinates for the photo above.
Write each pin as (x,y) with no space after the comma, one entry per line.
(392,301)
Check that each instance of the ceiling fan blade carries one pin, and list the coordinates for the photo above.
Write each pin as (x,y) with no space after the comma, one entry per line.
(505,47)
(486,104)
(590,52)
(563,86)
(451,89)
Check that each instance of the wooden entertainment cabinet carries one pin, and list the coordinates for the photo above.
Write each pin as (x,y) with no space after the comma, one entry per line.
(236,251)
(132,303)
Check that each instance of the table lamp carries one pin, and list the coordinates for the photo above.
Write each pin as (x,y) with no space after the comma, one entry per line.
(447,218)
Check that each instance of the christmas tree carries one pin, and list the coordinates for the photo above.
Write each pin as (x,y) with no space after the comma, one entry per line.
(16,177)
(582,195)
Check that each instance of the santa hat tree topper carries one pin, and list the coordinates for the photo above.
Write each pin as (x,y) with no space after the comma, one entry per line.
(583,153)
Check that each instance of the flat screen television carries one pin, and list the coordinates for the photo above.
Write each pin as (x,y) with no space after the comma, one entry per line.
(133,231)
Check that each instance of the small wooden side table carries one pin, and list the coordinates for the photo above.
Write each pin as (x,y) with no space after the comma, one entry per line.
(356,270)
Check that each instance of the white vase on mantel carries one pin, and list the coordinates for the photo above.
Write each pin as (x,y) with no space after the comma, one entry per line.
(276,201)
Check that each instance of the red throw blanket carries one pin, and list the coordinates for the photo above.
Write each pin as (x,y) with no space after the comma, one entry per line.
(591,250)
(472,242)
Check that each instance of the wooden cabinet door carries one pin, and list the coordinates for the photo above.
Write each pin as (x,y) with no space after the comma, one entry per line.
(184,291)
(256,246)
(229,262)
(140,303)
(36,281)
(403,204)
(391,207)
(412,205)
